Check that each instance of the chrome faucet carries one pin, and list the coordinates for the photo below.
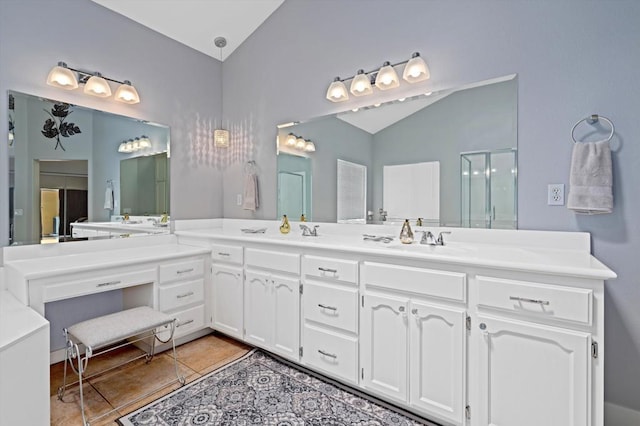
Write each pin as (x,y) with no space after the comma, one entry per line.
(383,214)
(430,239)
(308,232)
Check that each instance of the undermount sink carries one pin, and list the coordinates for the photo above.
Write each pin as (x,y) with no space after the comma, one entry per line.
(446,250)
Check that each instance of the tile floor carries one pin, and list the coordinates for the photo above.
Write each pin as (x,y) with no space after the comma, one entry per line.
(110,390)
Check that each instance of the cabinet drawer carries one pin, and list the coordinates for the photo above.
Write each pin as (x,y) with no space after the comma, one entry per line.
(191,268)
(429,282)
(188,321)
(335,269)
(332,353)
(278,261)
(176,296)
(545,300)
(230,254)
(331,305)
(68,289)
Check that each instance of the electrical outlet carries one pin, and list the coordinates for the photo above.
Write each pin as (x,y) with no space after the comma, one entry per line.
(239,199)
(555,194)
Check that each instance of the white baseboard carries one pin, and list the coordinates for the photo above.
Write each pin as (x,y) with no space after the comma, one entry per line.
(617,415)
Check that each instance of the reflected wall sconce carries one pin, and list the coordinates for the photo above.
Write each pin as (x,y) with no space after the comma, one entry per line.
(95,84)
(299,143)
(134,145)
(385,78)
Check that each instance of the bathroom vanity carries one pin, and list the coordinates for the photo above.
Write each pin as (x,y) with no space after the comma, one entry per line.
(494,327)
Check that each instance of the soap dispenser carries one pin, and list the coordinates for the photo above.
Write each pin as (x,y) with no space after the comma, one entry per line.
(302,218)
(406,235)
(285,227)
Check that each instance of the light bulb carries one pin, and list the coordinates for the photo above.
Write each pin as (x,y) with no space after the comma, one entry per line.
(337,91)
(300,143)
(291,139)
(416,69)
(361,85)
(387,77)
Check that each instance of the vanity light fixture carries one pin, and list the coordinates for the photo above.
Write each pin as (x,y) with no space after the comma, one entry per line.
(385,78)
(299,143)
(95,84)
(134,145)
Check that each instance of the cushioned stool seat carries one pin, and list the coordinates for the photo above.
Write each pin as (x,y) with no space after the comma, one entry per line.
(110,332)
(109,329)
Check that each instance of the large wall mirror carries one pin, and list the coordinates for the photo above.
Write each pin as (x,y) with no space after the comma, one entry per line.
(448,158)
(69,165)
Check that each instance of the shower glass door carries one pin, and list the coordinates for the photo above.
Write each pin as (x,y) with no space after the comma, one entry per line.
(489,189)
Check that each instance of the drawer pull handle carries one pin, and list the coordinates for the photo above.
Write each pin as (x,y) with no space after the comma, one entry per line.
(524,299)
(181,296)
(331,308)
(184,271)
(109,283)
(333,271)
(223,254)
(184,323)
(334,356)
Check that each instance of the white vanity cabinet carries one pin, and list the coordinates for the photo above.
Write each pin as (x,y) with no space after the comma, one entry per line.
(330,316)
(228,290)
(182,293)
(272,301)
(413,338)
(536,353)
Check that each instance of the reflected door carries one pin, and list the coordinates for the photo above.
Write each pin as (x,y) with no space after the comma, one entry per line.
(291,194)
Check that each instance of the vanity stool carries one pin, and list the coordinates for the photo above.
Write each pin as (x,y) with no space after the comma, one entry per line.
(110,332)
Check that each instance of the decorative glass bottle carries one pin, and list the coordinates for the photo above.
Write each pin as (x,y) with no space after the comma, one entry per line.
(285,227)
(406,235)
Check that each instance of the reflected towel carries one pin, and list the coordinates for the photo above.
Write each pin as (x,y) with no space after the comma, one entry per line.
(590,181)
(108,198)
(250,196)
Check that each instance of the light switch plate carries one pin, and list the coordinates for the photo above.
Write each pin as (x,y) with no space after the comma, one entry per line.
(555,194)
(239,199)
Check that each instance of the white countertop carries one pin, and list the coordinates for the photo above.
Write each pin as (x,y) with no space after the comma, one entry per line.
(145,227)
(17,321)
(40,267)
(572,260)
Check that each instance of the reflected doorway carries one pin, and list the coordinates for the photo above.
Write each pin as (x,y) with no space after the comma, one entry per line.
(63,198)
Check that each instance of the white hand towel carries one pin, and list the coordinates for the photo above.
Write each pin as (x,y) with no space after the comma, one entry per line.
(108,198)
(250,196)
(591,178)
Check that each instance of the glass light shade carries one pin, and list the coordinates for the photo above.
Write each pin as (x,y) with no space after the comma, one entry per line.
(122,147)
(63,78)
(97,86)
(127,93)
(416,69)
(309,146)
(387,77)
(221,138)
(337,91)
(300,143)
(360,85)
(291,139)
(129,146)
(145,142)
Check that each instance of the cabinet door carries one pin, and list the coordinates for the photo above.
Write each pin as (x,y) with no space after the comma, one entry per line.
(286,316)
(384,345)
(532,375)
(227,299)
(437,360)
(258,309)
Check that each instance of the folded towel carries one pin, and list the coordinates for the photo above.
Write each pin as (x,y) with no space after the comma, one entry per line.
(590,181)
(250,196)
(108,198)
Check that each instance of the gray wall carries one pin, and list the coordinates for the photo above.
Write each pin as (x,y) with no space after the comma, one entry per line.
(573,58)
(178,86)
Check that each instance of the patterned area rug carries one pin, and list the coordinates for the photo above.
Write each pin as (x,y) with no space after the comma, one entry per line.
(260,390)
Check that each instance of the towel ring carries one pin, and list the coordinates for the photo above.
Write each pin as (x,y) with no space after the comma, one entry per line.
(593,118)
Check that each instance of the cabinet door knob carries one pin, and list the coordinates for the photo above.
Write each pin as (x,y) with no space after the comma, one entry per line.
(401,308)
(482,326)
